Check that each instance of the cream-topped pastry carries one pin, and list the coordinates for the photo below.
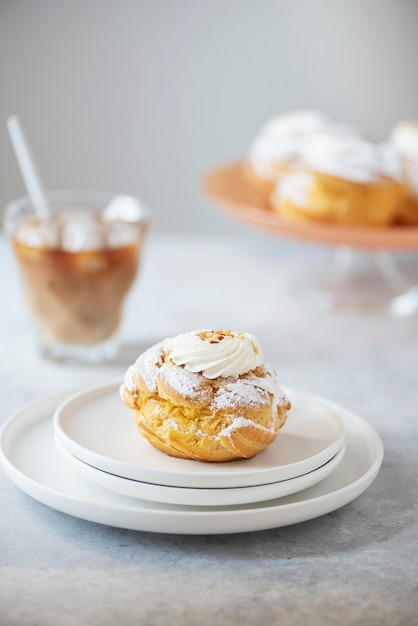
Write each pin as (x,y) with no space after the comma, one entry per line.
(341,180)
(206,395)
(277,147)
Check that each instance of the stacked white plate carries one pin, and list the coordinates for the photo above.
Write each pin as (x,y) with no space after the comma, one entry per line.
(90,461)
(96,433)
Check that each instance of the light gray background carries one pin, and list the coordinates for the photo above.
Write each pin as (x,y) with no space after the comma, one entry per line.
(143,97)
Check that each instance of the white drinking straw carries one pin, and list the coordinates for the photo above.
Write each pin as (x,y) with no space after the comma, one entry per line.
(28,169)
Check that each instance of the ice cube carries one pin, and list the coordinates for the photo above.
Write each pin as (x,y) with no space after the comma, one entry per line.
(124,208)
(81,231)
(30,235)
(38,234)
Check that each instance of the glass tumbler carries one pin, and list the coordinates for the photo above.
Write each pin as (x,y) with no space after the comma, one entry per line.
(77,265)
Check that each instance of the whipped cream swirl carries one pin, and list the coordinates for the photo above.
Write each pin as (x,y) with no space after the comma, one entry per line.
(404,138)
(342,155)
(215,352)
(282,138)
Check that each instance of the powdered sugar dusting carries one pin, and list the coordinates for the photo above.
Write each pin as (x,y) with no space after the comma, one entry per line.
(171,424)
(242,422)
(148,365)
(183,382)
(129,380)
(237,393)
(269,383)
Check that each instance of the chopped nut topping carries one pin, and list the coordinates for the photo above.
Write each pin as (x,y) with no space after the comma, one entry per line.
(214,336)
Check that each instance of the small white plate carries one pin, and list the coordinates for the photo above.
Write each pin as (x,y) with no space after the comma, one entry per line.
(199,497)
(29,456)
(97,428)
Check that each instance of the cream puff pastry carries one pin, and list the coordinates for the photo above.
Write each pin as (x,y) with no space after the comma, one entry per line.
(342,181)
(207,396)
(276,149)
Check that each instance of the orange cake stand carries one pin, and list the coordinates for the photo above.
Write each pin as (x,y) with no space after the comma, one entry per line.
(230,188)
(379,285)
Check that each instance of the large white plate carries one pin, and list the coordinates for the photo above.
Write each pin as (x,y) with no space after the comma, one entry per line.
(97,428)
(199,497)
(30,458)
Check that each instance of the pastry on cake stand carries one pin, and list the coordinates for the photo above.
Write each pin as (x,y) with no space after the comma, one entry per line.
(361,275)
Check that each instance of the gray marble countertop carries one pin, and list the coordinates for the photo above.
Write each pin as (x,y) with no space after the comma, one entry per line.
(356,565)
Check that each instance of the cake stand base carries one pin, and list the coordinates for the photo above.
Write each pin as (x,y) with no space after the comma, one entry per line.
(354,281)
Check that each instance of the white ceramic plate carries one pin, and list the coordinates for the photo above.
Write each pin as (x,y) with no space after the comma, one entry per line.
(199,497)
(29,456)
(97,428)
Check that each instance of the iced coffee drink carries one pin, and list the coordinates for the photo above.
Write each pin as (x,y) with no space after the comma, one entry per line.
(78,265)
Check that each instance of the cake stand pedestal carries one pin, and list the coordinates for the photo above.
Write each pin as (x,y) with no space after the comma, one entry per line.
(356,281)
